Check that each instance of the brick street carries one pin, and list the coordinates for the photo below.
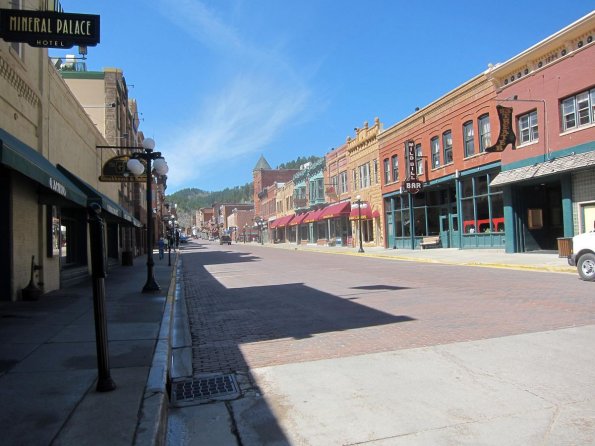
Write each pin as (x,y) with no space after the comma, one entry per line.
(252,307)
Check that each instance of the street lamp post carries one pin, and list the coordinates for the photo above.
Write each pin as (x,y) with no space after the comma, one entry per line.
(359,214)
(135,166)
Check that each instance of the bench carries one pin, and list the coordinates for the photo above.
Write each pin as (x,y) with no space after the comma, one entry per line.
(430,242)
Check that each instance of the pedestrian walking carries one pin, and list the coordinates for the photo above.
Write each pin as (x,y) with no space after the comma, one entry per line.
(161,245)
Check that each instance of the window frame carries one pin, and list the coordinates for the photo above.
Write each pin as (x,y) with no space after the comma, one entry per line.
(435,150)
(419,159)
(394,167)
(447,147)
(469,139)
(484,138)
(531,128)
(575,102)
(386,171)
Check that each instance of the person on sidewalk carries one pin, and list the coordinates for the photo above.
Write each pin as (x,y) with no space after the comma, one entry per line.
(161,245)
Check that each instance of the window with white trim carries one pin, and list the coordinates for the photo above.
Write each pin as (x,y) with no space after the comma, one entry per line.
(528,131)
(419,159)
(386,171)
(435,146)
(343,182)
(483,123)
(17,46)
(578,110)
(364,175)
(376,179)
(468,137)
(447,145)
(395,167)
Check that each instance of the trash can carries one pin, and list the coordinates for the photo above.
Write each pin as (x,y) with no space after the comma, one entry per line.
(564,246)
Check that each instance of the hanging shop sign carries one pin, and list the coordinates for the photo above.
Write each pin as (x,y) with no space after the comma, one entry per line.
(506,135)
(49,29)
(115,171)
(411,185)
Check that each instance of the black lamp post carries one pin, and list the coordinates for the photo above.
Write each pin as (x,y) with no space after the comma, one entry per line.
(359,213)
(135,166)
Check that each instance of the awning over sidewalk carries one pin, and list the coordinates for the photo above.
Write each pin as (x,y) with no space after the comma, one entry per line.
(366,211)
(336,210)
(106,203)
(20,157)
(298,219)
(281,222)
(552,167)
(313,216)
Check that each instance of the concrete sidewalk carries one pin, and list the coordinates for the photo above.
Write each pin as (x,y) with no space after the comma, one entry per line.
(48,363)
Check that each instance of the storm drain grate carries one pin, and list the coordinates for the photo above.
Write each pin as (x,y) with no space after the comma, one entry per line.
(204,389)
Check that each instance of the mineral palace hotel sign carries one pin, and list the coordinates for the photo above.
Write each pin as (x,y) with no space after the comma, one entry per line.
(49,29)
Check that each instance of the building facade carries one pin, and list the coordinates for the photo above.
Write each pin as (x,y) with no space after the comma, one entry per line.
(49,169)
(363,170)
(548,177)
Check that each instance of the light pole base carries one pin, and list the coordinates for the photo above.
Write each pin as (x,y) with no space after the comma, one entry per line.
(151,286)
(360,250)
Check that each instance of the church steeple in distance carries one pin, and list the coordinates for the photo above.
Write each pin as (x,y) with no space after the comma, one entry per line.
(262,164)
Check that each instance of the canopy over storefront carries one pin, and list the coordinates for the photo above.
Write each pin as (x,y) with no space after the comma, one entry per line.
(18,156)
(281,222)
(366,211)
(336,210)
(106,203)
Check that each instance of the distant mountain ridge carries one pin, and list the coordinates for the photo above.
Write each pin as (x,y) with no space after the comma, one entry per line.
(191,199)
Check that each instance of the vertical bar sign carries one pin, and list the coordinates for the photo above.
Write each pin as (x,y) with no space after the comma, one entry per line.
(411,185)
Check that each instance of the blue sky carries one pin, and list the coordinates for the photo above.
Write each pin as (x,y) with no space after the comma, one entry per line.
(220,82)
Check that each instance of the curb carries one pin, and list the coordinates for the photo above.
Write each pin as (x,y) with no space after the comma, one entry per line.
(152,426)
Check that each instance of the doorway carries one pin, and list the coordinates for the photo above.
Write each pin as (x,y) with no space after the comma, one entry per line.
(542,218)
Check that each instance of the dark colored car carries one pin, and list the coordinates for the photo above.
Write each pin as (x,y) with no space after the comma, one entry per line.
(225,239)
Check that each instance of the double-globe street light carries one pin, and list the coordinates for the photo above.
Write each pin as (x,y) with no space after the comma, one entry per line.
(136,167)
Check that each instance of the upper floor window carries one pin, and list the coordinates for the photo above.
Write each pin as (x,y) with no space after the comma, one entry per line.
(484,132)
(386,171)
(343,182)
(435,146)
(17,46)
(395,167)
(419,159)
(375,171)
(578,110)
(354,179)
(468,136)
(528,130)
(364,175)
(447,144)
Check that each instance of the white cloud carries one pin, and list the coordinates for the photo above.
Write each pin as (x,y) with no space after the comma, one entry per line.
(251,106)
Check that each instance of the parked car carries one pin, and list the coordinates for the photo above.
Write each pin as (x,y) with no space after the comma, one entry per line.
(184,238)
(225,239)
(583,255)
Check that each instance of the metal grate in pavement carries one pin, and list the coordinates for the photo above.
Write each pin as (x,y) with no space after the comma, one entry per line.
(204,389)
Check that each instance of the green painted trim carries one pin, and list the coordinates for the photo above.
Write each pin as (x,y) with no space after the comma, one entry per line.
(29,162)
(82,74)
(582,148)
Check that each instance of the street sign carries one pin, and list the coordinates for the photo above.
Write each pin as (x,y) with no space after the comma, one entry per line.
(412,186)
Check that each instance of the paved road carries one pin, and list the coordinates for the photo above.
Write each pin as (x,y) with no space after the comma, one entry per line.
(352,350)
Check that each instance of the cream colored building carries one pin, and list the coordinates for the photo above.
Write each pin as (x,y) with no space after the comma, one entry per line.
(49,169)
(363,171)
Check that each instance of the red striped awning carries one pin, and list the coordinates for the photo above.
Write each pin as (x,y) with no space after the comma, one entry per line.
(366,211)
(336,210)
(313,216)
(298,219)
(281,222)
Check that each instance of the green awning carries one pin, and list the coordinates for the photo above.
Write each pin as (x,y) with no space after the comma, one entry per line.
(94,196)
(18,156)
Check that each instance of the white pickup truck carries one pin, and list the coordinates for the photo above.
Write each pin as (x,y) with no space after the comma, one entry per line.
(583,255)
